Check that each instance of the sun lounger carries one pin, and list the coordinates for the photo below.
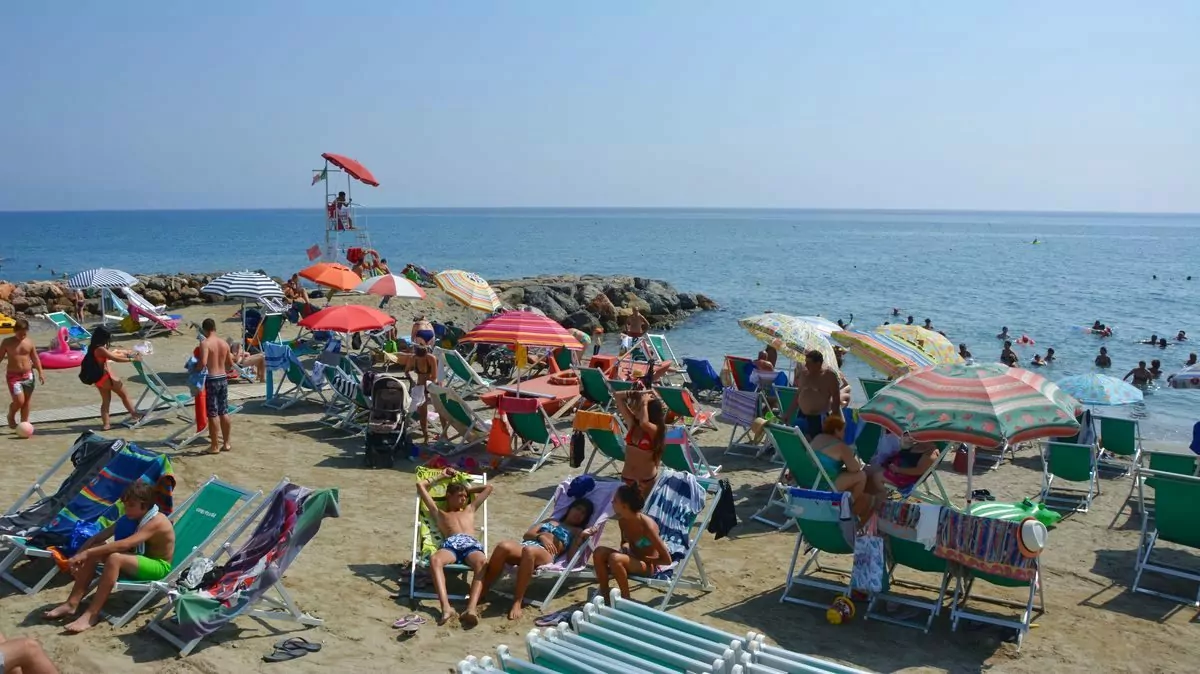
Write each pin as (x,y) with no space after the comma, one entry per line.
(298,383)
(198,522)
(1176,502)
(1120,444)
(464,378)
(427,538)
(679,401)
(76,333)
(1074,463)
(807,472)
(682,453)
(703,380)
(815,513)
(464,428)
(290,516)
(157,400)
(531,427)
(605,433)
(348,408)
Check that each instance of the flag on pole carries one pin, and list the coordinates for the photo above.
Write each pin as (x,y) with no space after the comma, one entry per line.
(314,252)
(322,175)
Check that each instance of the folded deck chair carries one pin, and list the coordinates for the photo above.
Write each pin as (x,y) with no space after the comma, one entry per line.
(298,383)
(680,402)
(679,504)
(157,400)
(703,380)
(1120,444)
(531,428)
(1068,462)
(1176,503)
(463,377)
(682,453)
(807,472)
(605,433)
(464,428)
(198,521)
(815,512)
(96,503)
(602,644)
(287,520)
(898,522)
(267,331)
(563,568)
(427,538)
(76,333)
(348,407)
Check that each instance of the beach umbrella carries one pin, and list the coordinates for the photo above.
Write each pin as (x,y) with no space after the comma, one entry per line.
(523,328)
(790,335)
(933,344)
(101,278)
(390,285)
(1188,377)
(823,325)
(243,285)
(347,318)
(1101,389)
(468,289)
(331,275)
(886,354)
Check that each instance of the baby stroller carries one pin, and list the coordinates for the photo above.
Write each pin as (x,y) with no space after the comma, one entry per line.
(388,422)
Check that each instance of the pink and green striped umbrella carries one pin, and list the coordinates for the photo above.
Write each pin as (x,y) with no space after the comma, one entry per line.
(982,404)
(524,328)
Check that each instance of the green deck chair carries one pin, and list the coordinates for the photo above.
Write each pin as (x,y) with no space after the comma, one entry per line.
(607,436)
(1162,462)
(1122,438)
(1069,462)
(563,359)
(157,400)
(786,395)
(532,427)
(820,532)
(911,555)
(465,379)
(268,331)
(464,428)
(598,388)
(679,400)
(682,454)
(807,472)
(214,508)
(1176,502)
(427,538)
(737,371)
(303,387)
(872,386)
(867,442)
(76,333)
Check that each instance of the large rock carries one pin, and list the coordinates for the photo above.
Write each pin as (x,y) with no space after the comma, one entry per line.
(189,293)
(155,295)
(540,297)
(581,320)
(7,308)
(29,306)
(6,291)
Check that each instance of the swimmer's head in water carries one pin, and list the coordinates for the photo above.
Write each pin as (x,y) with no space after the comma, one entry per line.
(1103,351)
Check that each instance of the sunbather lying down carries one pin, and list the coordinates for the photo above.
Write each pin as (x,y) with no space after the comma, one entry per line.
(258,361)
(459,546)
(24,656)
(542,544)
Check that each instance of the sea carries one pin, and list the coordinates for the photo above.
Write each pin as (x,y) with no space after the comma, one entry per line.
(1045,275)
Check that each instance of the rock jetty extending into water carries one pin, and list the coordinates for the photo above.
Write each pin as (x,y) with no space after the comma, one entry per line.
(581,302)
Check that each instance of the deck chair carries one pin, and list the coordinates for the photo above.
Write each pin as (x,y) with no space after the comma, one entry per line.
(680,402)
(866,443)
(532,428)
(157,400)
(739,369)
(135,298)
(681,505)
(464,378)
(610,643)
(605,433)
(1120,444)
(872,386)
(214,507)
(252,580)
(427,538)
(739,409)
(464,428)
(897,524)
(807,472)
(703,380)
(1163,462)
(348,407)
(188,433)
(298,383)
(1073,463)
(155,324)
(267,331)
(76,333)
(681,453)
(1176,502)
(815,513)
(595,387)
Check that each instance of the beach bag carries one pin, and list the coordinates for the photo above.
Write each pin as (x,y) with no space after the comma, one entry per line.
(90,370)
(867,574)
(577,449)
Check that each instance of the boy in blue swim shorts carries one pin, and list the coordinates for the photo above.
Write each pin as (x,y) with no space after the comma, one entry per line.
(456,522)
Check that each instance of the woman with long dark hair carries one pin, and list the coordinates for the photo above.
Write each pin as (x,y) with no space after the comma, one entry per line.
(646,418)
(95,371)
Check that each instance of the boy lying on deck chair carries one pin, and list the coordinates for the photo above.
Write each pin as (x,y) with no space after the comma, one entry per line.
(457,525)
(142,550)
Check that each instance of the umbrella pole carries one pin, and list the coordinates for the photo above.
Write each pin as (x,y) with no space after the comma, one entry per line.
(970,472)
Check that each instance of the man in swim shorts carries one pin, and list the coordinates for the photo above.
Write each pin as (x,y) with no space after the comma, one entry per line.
(216,357)
(818,393)
(22,357)
(456,522)
(142,549)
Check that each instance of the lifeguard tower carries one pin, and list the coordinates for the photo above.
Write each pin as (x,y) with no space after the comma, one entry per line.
(346,234)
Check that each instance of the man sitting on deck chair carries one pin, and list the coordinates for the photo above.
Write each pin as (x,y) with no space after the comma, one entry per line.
(142,549)
(457,525)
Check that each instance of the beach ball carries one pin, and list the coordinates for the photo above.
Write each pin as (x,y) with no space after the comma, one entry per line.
(25,429)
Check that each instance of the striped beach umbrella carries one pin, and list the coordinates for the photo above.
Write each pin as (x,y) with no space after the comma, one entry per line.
(983,404)
(1188,377)
(468,289)
(390,285)
(1100,389)
(523,328)
(932,344)
(245,285)
(331,275)
(883,353)
(101,278)
(790,335)
(823,325)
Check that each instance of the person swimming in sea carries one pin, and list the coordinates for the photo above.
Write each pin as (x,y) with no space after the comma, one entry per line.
(1156,368)
(1103,360)
(1003,334)
(1141,376)
(1190,361)
(1181,337)
(1037,360)
(1153,341)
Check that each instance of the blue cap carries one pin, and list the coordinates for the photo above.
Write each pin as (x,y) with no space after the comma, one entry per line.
(581,486)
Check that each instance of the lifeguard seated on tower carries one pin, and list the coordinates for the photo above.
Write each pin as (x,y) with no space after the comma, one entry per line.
(338,213)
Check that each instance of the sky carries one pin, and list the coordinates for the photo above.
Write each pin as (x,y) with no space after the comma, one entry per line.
(1069,105)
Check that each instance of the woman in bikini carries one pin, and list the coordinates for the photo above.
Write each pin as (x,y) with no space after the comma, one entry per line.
(841,463)
(642,552)
(645,416)
(422,331)
(108,383)
(424,364)
(545,542)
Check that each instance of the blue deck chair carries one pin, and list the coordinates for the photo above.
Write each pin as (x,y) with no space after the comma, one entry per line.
(703,380)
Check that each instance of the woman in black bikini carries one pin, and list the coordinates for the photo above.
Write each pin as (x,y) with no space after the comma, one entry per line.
(642,552)
(645,416)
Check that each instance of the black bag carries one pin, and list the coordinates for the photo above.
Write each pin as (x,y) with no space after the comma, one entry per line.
(577,449)
(355,341)
(724,517)
(90,370)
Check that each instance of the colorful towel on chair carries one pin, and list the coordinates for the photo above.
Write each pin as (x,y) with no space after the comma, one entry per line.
(276,356)
(98,501)
(601,497)
(289,522)
(431,536)
(739,407)
(674,503)
(984,544)
(91,453)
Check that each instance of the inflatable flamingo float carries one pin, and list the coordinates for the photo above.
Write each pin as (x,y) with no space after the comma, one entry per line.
(60,356)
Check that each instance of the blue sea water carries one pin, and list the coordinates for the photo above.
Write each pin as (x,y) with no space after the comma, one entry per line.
(970,272)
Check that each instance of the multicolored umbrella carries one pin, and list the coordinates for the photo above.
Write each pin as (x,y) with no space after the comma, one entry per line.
(933,344)
(523,328)
(883,353)
(1101,389)
(1188,377)
(101,278)
(390,285)
(347,318)
(468,289)
(331,275)
(823,325)
(791,336)
(983,404)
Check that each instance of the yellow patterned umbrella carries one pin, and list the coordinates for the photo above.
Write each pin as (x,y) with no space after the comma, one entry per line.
(933,344)
(468,289)
(792,336)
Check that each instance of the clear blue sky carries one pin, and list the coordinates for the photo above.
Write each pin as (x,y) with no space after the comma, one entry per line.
(975,105)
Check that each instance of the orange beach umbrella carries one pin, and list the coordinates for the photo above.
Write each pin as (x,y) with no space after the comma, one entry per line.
(331,275)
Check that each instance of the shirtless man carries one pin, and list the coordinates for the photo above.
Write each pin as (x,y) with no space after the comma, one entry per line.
(1003,333)
(1103,360)
(818,392)
(142,550)
(216,357)
(459,545)
(22,357)
(1141,375)
(1008,356)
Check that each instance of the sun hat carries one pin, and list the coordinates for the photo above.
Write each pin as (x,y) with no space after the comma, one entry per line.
(1032,538)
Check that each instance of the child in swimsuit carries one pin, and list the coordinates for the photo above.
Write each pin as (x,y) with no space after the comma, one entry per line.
(642,552)
(542,544)
(459,546)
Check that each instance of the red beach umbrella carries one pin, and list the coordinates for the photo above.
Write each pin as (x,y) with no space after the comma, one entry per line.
(348,318)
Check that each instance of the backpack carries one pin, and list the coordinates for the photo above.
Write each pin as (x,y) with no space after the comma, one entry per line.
(577,449)
(90,370)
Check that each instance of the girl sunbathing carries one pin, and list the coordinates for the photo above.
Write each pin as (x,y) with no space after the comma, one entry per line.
(642,552)
(542,544)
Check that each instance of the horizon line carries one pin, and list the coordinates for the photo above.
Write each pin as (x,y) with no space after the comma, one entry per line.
(617,208)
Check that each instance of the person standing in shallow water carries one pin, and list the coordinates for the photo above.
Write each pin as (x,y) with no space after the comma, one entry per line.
(1141,376)
(1103,360)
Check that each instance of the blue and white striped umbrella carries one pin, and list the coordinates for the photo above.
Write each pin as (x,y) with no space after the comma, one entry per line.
(1100,389)
(101,278)
(246,285)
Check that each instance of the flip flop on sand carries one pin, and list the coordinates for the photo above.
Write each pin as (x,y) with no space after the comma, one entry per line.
(290,649)
(411,620)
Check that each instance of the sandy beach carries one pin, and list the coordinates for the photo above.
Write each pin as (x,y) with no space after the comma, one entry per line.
(348,574)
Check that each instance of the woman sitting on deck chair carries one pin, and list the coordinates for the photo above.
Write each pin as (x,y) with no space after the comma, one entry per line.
(645,416)
(842,464)
(903,468)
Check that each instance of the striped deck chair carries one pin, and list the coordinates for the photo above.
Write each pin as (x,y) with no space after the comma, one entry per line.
(681,505)
(606,434)
(426,536)
(532,428)
(463,427)
(157,400)
(703,380)
(76,333)
(348,407)
(680,402)
(739,409)
(155,324)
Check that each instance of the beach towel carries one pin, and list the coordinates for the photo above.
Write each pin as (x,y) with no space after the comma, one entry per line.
(675,502)
(276,356)
(431,536)
(601,496)
(984,544)
(91,453)
(739,407)
(288,523)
